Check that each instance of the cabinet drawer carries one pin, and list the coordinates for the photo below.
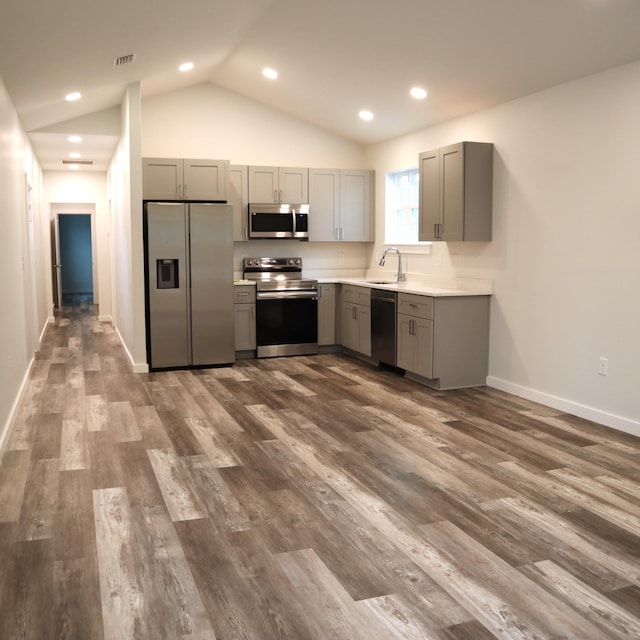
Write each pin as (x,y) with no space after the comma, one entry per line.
(415,305)
(244,293)
(359,295)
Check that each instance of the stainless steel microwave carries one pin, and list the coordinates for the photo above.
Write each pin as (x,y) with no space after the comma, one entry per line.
(279,221)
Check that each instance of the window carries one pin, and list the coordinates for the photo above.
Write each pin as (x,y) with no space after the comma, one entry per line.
(402,215)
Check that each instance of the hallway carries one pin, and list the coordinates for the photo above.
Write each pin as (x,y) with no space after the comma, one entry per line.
(304,498)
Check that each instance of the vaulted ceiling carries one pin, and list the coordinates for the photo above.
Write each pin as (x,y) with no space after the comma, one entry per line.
(334,57)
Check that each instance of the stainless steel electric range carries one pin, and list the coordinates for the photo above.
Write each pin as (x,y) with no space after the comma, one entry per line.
(286,307)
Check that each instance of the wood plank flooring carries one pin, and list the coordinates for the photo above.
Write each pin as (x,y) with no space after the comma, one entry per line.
(305,498)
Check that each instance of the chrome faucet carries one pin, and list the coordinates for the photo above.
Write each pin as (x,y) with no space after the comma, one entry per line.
(401,277)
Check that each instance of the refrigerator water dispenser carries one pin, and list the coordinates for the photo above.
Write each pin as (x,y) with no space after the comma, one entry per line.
(167,273)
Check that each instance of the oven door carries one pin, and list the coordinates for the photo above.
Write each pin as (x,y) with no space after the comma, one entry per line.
(286,323)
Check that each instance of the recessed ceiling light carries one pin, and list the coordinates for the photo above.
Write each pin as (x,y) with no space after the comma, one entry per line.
(70,97)
(366,115)
(418,92)
(272,74)
(74,139)
(186,66)
(75,155)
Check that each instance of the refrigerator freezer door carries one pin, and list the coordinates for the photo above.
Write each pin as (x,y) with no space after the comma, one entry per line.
(167,284)
(212,319)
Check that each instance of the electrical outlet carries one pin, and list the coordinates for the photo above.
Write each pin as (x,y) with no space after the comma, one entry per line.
(603,366)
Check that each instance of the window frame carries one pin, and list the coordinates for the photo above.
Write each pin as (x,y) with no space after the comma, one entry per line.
(391,207)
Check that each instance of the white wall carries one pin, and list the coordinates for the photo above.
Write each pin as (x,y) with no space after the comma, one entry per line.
(564,256)
(87,188)
(209,122)
(204,121)
(23,310)
(125,195)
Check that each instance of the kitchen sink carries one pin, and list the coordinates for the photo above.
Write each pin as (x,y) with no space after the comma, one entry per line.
(379,281)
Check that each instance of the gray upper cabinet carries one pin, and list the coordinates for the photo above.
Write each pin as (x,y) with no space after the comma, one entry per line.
(238,198)
(286,185)
(184,179)
(456,192)
(341,205)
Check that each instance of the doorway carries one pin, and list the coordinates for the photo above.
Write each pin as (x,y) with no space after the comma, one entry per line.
(74,277)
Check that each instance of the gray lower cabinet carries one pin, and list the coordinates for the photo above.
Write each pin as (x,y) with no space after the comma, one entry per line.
(356,319)
(245,317)
(415,334)
(444,341)
(326,314)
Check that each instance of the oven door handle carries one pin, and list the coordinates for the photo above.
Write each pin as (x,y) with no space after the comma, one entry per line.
(275,295)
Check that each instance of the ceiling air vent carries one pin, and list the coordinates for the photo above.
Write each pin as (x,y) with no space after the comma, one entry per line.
(77,162)
(122,60)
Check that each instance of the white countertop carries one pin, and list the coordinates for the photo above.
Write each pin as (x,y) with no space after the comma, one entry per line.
(419,288)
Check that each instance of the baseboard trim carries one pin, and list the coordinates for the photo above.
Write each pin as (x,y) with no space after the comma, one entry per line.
(568,406)
(136,367)
(6,429)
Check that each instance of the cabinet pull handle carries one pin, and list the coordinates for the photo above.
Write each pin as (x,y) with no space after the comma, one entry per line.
(280,200)
(341,233)
(275,195)
(337,233)
(354,313)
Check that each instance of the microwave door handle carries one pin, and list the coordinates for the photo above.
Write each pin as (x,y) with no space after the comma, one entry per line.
(293,214)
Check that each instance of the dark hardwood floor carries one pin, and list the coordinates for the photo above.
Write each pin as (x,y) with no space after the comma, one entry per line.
(305,498)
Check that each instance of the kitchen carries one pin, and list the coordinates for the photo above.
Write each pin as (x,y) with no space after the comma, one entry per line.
(543,274)
(562,261)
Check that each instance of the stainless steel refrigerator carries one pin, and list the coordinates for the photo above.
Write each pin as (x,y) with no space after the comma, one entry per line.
(189,284)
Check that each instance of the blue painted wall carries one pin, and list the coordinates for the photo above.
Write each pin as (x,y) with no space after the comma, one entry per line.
(75,253)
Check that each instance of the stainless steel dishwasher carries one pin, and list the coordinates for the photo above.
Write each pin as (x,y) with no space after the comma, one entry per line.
(383,326)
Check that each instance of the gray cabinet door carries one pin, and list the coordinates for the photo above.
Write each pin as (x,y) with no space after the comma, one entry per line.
(263,185)
(324,205)
(429,195)
(238,198)
(326,314)
(356,204)
(452,193)
(293,185)
(364,330)
(245,323)
(415,345)
(350,330)
(162,178)
(423,334)
(205,179)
